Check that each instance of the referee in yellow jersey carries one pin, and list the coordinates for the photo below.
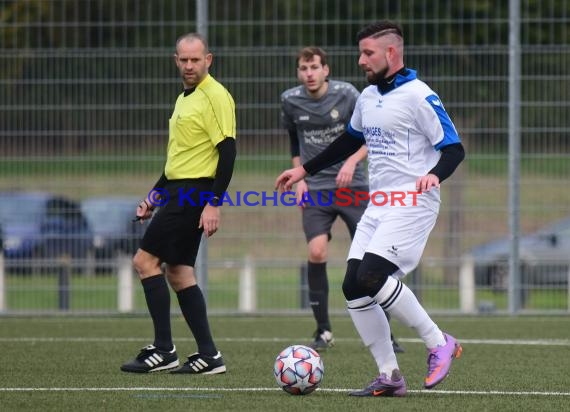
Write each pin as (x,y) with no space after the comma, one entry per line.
(200,160)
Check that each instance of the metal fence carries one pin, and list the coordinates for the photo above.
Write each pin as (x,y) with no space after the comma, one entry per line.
(86,90)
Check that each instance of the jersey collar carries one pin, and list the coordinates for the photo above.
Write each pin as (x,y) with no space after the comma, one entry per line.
(204,81)
(189,91)
(402,76)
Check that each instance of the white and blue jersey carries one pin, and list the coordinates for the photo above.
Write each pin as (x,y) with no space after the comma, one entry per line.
(404,129)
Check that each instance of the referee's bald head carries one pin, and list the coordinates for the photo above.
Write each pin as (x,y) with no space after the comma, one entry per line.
(192,37)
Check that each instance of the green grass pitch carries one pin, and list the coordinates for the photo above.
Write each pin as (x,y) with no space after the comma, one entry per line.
(72,363)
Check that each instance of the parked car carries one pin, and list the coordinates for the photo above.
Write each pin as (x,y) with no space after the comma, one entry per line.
(42,225)
(544,257)
(114,231)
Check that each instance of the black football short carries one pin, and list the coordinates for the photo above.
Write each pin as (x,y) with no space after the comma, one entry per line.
(173,234)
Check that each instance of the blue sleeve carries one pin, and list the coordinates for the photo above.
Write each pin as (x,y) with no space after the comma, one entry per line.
(450,135)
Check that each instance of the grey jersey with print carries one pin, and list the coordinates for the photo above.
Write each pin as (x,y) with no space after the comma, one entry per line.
(318,122)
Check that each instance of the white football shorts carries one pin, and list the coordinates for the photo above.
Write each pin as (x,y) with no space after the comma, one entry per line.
(398,234)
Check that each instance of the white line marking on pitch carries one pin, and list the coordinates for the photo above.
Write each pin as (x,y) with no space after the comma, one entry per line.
(154,389)
(523,342)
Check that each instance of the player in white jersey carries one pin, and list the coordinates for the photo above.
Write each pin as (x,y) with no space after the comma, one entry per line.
(413,146)
(315,113)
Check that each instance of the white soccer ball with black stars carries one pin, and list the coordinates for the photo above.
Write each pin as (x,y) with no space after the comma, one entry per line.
(298,370)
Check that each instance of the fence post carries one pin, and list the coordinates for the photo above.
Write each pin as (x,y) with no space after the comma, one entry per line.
(568,287)
(125,284)
(247,287)
(2,284)
(467,285)
(63,278)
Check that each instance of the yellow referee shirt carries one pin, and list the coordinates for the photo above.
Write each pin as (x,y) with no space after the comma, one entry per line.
(199,122)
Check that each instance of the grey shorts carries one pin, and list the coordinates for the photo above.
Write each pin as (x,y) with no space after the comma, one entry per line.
(320,214)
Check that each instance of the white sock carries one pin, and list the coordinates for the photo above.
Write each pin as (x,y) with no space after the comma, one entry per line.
(374,330)
(400,302)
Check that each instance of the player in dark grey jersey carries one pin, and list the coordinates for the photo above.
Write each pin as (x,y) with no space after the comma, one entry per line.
(315,113)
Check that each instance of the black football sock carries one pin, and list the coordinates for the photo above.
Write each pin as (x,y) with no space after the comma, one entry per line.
(193,307)
(319,294)
(157,297)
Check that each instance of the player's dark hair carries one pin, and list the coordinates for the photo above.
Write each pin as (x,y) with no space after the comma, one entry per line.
(193,36)
(307,53)
(379,29)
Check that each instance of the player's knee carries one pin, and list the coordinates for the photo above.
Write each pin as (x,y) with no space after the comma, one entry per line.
(318,248)
(145,264)
(318,255)
(138,263)
(373,272)
(350,287)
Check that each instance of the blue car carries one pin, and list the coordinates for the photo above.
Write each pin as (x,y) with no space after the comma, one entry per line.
(40,228)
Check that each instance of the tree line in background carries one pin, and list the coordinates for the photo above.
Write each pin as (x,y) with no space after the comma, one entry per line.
(134,23)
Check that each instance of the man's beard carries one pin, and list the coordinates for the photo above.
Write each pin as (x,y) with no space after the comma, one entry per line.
(374,78)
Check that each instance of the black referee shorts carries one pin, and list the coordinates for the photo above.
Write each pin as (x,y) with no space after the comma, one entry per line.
(173,234)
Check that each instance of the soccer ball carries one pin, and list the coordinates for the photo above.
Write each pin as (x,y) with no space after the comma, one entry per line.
(298,370)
